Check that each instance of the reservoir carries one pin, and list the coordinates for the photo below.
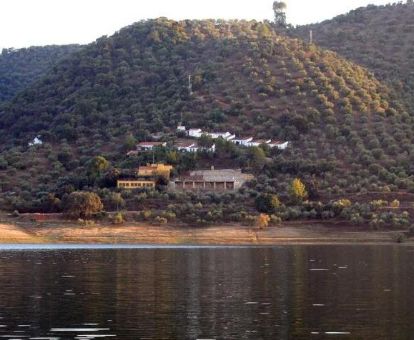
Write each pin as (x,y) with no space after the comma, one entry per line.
(151,292)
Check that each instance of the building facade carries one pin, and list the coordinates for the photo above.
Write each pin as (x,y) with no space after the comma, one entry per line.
(211,180)
(135,184)
(154,170)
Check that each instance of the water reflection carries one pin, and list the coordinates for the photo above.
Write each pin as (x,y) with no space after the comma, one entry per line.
(297,292)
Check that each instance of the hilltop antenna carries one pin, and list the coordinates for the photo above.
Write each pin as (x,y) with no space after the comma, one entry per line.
(311,37)
(190,86)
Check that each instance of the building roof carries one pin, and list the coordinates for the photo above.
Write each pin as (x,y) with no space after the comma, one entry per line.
(185,144)
(151,144)
(260,141)
(155,166)
(224,175)
(243,138)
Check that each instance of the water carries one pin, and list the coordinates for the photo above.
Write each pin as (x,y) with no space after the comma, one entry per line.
(297,292)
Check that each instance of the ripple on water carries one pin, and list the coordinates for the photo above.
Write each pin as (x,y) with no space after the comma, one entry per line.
(76,330)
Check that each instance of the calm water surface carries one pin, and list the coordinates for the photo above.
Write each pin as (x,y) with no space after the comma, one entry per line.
(293,292)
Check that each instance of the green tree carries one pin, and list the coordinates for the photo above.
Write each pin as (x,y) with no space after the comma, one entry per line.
(256,158)
(205,141)
(97,165)
(116,200)
(129,142)
(267,203)
(279,9)
(82,204)
(297,191)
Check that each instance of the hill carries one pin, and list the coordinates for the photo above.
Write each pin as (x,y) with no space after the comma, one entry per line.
(348,132)
(22,67)
(380,38)
(245,77)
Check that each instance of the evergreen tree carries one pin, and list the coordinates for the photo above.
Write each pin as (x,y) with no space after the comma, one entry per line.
(279,9)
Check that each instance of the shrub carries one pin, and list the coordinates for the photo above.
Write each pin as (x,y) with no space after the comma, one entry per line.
(267,203)
(395,204)
(275,220)
(160,220)
(262,221)
(118,218)
(376,204)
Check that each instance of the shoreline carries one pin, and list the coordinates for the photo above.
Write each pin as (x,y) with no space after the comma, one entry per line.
(64,232)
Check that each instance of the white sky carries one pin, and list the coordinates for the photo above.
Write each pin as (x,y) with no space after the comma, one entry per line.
(40,22)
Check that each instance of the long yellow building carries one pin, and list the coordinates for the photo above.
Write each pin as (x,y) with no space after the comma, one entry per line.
(135,184)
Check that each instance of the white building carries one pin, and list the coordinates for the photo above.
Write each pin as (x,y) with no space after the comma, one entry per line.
(191,146)
(279,145)
(186,146)
(149,146)
(195,133)
(36,141)
(181,128)
(258,142)
(225,135)
(243,141)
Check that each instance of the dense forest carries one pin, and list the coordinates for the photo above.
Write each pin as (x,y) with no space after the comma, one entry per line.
(380,38)
(19,68)
(349,132)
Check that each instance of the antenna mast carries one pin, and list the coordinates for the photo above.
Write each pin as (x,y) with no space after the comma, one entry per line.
(190,86)
(311,37)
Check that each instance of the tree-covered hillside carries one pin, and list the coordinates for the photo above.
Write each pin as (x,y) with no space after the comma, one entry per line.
(245,77)
(378,37)
(22,67)
(349,133)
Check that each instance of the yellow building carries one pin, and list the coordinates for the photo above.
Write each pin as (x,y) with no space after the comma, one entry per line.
(153,170)
(135,184)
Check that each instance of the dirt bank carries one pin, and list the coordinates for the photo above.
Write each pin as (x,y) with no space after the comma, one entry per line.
(291,233)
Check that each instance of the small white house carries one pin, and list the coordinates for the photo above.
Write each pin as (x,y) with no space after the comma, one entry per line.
(190,146)
(225,135)
(279,145)
(187,146)
(258,142)
(243,141)
(36,141)
(181,128)
(195,133)
(149,146)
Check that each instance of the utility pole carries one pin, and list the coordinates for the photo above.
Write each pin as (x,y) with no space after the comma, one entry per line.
(311,37)
(190,86)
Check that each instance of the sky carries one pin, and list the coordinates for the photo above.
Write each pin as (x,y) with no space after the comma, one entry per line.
(26,23)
